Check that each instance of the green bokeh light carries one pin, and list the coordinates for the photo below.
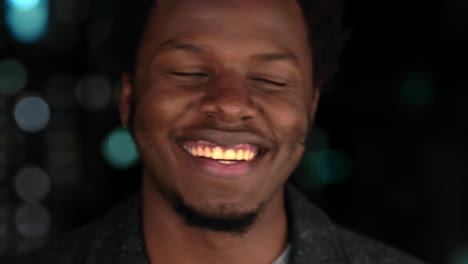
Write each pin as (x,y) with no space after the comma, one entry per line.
(13,77)
(323,167)
(460,256)
(418,90)
(119,149)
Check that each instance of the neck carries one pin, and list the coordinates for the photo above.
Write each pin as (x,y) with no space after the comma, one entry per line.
(167,236)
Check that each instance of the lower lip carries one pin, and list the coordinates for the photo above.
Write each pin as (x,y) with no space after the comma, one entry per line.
(216,168)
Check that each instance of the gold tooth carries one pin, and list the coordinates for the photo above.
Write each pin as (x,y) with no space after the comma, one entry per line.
(217,153)
(240,154)
(229,154)
(207,152)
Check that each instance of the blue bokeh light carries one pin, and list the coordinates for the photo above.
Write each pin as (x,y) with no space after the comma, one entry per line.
(23,4)
(28,21)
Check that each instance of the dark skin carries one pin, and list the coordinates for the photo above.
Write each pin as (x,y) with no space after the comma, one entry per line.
(231,72)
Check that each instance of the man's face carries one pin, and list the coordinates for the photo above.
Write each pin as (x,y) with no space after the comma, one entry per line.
(223,100)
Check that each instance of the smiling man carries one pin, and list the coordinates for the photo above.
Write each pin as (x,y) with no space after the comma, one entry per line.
(219,99)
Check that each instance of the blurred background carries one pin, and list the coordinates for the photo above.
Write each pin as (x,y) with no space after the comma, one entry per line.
(387,156)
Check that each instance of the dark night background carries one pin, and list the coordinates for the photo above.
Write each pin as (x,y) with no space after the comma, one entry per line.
(387,156)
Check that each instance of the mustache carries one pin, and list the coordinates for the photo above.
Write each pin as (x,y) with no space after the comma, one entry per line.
(229,127)
(215,131)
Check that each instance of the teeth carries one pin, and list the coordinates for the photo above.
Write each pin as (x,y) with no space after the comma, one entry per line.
(240,154)
(226,156)
(229,154)
(207,152)
(246,155)
(217,153)
(200,151)
(227,161)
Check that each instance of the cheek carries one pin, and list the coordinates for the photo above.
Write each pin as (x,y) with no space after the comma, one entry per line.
(158,108)
(287,120)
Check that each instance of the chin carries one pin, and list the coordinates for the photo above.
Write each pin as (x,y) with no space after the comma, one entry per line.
(222,217)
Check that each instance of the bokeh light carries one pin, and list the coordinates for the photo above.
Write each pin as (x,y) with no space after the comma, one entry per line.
(27,20)
(324,167)
(459,256)
(32,184)
(418,90)
(32,220)
(32,114)
(13,77)
(23,4)
(333,166)
(93,92)
(119,149)
(28,245)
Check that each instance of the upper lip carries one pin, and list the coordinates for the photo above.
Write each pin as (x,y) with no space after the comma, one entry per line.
(224,138)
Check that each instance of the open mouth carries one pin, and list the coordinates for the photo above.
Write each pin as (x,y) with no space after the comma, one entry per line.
(222,154)
(224,160)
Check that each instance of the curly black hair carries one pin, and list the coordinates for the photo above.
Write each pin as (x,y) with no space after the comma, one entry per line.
(324,19)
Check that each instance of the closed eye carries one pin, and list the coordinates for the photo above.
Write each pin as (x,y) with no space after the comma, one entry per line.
(189,74)
(270,81)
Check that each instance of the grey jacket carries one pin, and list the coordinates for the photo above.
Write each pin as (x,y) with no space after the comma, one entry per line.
(117,239)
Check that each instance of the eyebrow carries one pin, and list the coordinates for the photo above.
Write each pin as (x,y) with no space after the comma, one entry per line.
(280,56)
(174,44)
(263,57)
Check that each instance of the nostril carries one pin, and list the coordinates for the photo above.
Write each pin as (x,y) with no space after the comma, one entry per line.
(211,115)
(228,113)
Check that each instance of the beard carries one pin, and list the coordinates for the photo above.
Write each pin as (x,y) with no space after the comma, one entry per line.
(221,218)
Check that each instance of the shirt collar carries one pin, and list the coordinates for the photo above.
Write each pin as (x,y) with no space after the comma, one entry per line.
(312,235)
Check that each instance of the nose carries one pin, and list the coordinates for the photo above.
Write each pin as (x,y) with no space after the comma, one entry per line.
(228,100)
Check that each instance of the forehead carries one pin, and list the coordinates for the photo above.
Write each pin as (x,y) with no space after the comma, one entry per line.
(234,5)
(269,22)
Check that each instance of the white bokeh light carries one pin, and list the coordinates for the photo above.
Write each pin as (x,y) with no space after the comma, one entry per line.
(32,184)
(32,220)
(94,92)
(32,114)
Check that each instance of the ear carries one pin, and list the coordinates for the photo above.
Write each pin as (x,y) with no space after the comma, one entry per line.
(126,99)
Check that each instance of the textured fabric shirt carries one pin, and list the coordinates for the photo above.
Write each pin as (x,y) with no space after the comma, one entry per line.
(117,238)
